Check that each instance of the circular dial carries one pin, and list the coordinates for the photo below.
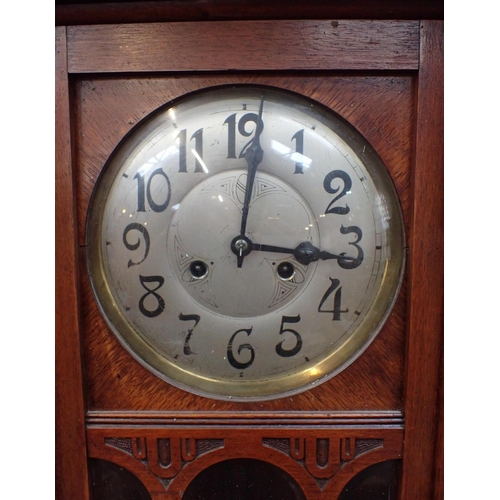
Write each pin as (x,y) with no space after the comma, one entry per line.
(245,242)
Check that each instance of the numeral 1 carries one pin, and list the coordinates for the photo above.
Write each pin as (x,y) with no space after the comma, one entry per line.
(230,121)
(299,148)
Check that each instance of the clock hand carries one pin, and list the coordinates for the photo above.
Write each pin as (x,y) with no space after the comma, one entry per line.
(304,253)
(253,154)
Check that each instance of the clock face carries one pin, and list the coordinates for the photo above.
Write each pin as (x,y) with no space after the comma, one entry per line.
(245,243)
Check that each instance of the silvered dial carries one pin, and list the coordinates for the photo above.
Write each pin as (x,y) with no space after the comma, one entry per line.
(245,243)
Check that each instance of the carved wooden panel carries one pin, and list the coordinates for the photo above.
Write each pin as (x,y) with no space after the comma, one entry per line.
(167,459)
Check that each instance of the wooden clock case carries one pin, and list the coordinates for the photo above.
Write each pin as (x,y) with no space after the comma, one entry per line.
(115,64)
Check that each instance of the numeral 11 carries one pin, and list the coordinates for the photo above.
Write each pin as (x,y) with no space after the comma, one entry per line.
(198,147)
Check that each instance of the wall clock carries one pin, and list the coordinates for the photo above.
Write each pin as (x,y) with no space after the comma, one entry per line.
(244,291)
(244,242)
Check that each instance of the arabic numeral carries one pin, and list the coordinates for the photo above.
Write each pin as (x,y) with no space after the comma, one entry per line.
(151,297)
(280,350)
(197,151)
(347,184)
(134,226)
(230,121)
(337,299)
(299,150)
(352,263)
(240,365)
(189,317)
(145,191)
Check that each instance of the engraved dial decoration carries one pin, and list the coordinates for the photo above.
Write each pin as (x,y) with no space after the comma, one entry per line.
(245,242)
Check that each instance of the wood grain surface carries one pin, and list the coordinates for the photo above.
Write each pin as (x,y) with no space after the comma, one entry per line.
(70,409)
(233,45)
(425,306)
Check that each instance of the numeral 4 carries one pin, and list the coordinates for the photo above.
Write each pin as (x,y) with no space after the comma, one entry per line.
(337,299)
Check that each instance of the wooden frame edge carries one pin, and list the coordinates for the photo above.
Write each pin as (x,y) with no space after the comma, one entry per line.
(426,302)
(72,12)
(70,446)
(260,45)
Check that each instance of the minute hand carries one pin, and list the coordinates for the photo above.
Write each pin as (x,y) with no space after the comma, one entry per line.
(253,154)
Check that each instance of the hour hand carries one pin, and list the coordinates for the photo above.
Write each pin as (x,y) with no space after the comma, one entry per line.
(306,252)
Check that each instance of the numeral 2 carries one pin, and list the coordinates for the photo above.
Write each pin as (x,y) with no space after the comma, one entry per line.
(327,184)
